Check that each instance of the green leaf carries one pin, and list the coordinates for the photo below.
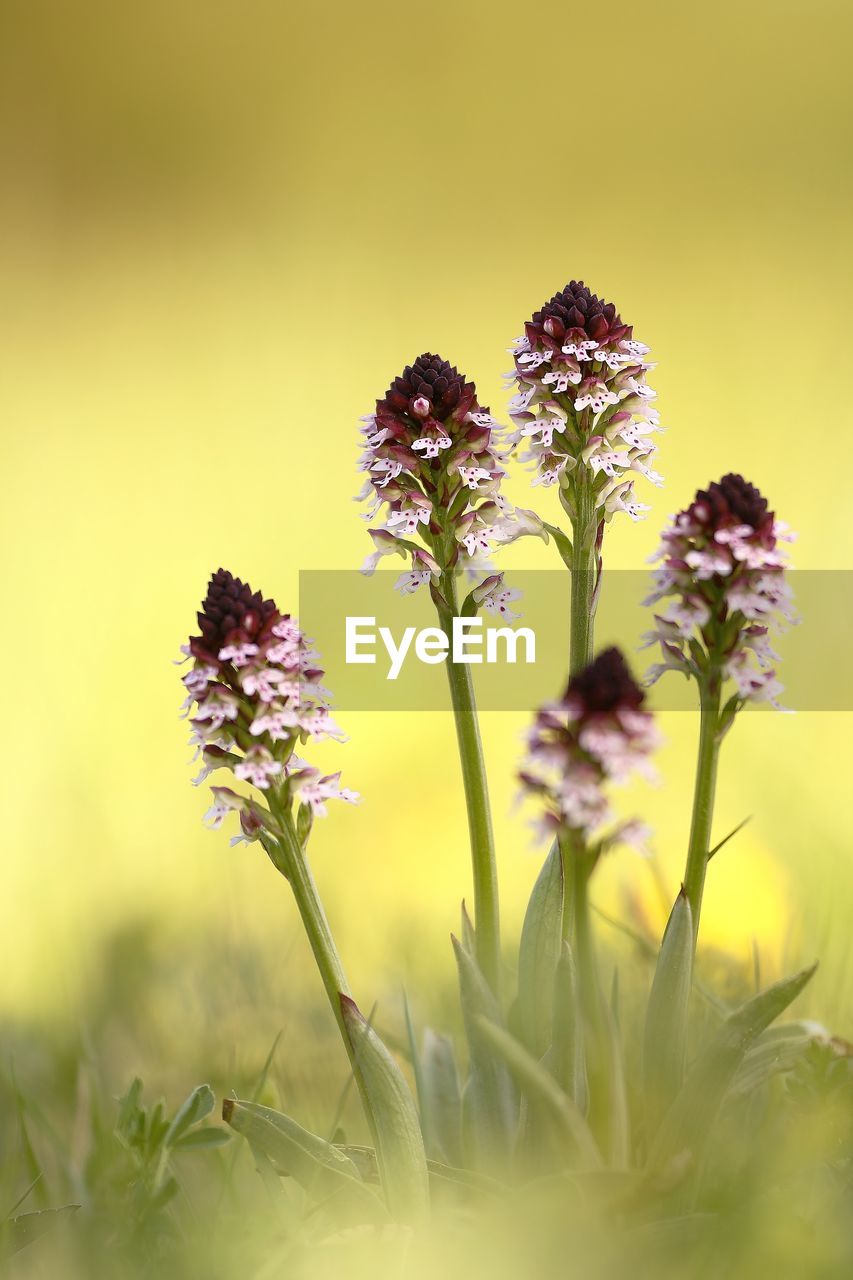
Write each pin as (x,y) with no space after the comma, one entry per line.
(269,1175)
(725,840)
(539,954)
(202,1139)
(304,823)
(261,1082)
(665,1040)
(326,1173)
(490,1109)
(469,936)
(688,1122)
(540,1086)
(568,1063)
(18,1232)
(442,1098)
(365,1160)
(198,1105)
(619,1136)
(157,1127)
(126,1123)
(469,606)
(30,1159)
(397,1133)
(463,1179)
(562,541)
(779,1049)
(166,1192)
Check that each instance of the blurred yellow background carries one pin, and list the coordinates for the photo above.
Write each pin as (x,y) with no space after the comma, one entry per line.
(225,228)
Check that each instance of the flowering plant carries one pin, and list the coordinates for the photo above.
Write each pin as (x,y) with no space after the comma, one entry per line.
(584,420)
(551,1086)
(433,460)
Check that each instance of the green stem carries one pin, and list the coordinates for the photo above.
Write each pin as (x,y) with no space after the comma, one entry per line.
(288,857)
(584,945)
(703,797)
(295,867)
(486,903)
(597,1053)
(584,581)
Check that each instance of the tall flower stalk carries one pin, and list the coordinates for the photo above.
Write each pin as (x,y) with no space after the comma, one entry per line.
(584,413)
(598,734)
(254,693)
(434,471)
(722,588)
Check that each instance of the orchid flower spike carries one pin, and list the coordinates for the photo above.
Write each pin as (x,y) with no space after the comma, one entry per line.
(434,471)
(721,591)
(598,733)
(582,408)
(253,693)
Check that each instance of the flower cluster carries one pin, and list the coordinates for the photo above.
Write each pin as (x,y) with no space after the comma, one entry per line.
(723,579)
(254,692)
(582,406)
(433,465)
(599,732)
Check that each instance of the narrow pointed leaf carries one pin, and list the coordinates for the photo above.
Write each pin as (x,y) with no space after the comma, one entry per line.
(688,1122)
(198,1105)
(568,1065)
(564,545)
(725,840)
(322,1170)
(665,1040)
(442,1096)
(490,1106)
(417,1068)
(399,1143)
(619,1128)
(539,954)
(202,1139)
(778,1050)
(469,936)
(18,1232)
(129,1108)
(364,1158)
(532,1077)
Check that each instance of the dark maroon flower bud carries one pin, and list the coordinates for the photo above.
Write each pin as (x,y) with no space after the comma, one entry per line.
(597,733)
(604,686)
(254,690)
(722,577)
(577,312)
(231,612)
(431,387)
(729,502)
(431,455)
(583,408)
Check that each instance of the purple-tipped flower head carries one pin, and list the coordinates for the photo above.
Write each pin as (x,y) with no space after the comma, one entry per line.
(723,580)
(254,692)
(582,405)
(434,469)
(598,732)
